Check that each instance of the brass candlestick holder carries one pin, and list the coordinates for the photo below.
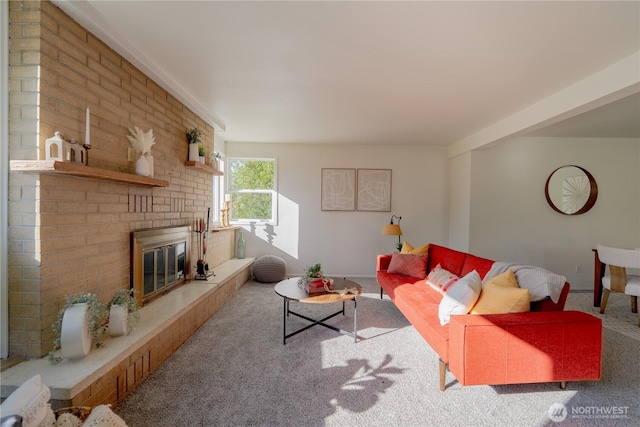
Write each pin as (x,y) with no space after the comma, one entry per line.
(224,214)
(87,147)
(223,217)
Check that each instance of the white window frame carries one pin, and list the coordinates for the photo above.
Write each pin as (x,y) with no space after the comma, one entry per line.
(4,178)
(273,191)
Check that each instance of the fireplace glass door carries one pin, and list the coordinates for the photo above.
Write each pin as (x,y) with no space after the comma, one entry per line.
(163,268)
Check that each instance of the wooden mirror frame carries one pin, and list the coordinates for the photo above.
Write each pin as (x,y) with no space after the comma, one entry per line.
(593,195)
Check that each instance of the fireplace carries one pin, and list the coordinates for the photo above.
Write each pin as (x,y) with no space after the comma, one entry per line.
(160,261)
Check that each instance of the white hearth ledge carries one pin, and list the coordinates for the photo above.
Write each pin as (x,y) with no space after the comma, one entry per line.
(69,377)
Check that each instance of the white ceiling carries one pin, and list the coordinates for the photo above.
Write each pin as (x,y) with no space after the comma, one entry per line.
(427,72)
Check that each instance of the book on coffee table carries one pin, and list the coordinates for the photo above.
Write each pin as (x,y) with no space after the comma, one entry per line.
(315,286)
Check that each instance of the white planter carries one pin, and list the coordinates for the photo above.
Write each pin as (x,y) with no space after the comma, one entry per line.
(201,159)
(142,166)
(194,153)
(118,320)
(75,339)
(149,158)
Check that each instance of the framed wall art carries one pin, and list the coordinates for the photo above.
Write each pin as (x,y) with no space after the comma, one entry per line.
(338,192)
(374,190)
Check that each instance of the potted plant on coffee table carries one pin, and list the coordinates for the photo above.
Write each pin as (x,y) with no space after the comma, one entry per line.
(312,280)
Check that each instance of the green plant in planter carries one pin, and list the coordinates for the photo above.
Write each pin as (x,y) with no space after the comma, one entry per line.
(194,136)
(312,272)
(98,316)
(126,298)
(202,150)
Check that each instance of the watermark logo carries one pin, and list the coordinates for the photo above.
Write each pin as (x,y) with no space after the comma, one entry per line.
(557,412)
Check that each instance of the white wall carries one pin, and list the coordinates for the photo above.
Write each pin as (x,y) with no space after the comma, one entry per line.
(346,243)
(511,221)
(459,201)
(489,202)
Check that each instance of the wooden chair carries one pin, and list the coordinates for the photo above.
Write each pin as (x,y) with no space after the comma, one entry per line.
(618,280)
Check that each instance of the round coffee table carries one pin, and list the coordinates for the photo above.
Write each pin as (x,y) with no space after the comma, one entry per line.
(291,291)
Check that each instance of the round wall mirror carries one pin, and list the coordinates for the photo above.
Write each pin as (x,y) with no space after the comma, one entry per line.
(571,190)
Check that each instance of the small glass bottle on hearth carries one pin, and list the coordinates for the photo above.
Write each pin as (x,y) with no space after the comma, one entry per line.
(240,246)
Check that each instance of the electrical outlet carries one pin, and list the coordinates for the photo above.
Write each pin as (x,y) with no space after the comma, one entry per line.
(130,154)
(578,268)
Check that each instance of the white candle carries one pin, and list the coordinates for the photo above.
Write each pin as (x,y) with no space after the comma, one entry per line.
(87,136)
(227,197)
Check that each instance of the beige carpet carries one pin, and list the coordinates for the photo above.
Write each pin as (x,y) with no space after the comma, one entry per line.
(235,371)
(617,317)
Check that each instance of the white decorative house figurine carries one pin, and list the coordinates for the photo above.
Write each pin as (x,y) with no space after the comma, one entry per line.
(77,153)
(59,149)
(56,148)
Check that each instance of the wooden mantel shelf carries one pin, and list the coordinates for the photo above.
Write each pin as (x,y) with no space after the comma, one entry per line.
(203,167)
(53,166)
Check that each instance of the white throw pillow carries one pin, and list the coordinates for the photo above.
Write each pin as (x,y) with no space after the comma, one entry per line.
(441,279)
(460,297)
(30,400)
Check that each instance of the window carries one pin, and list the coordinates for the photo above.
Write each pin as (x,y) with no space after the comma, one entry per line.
(251,182)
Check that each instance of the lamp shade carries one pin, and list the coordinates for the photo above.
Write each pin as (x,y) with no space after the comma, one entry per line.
(391,230)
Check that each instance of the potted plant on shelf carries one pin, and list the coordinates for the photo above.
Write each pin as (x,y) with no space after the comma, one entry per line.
(202,152)
(194,136)
(123,312)
(82,320)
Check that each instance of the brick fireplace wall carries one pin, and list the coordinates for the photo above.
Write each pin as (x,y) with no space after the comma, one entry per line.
(70,234)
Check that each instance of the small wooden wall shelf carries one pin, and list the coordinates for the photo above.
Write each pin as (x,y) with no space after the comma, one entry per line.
(55,167)
(203,167)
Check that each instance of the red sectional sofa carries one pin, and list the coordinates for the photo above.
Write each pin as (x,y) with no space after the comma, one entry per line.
(544,345)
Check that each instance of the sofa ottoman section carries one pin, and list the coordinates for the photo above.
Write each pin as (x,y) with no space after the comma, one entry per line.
(525,348)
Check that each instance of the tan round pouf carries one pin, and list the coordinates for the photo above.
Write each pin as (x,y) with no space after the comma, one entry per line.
(269,269)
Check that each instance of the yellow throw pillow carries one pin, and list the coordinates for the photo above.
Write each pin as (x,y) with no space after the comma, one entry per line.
(507,279)
(408,249)
(501,294)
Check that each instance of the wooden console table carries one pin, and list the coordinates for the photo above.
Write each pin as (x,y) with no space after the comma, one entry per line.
(598,274)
